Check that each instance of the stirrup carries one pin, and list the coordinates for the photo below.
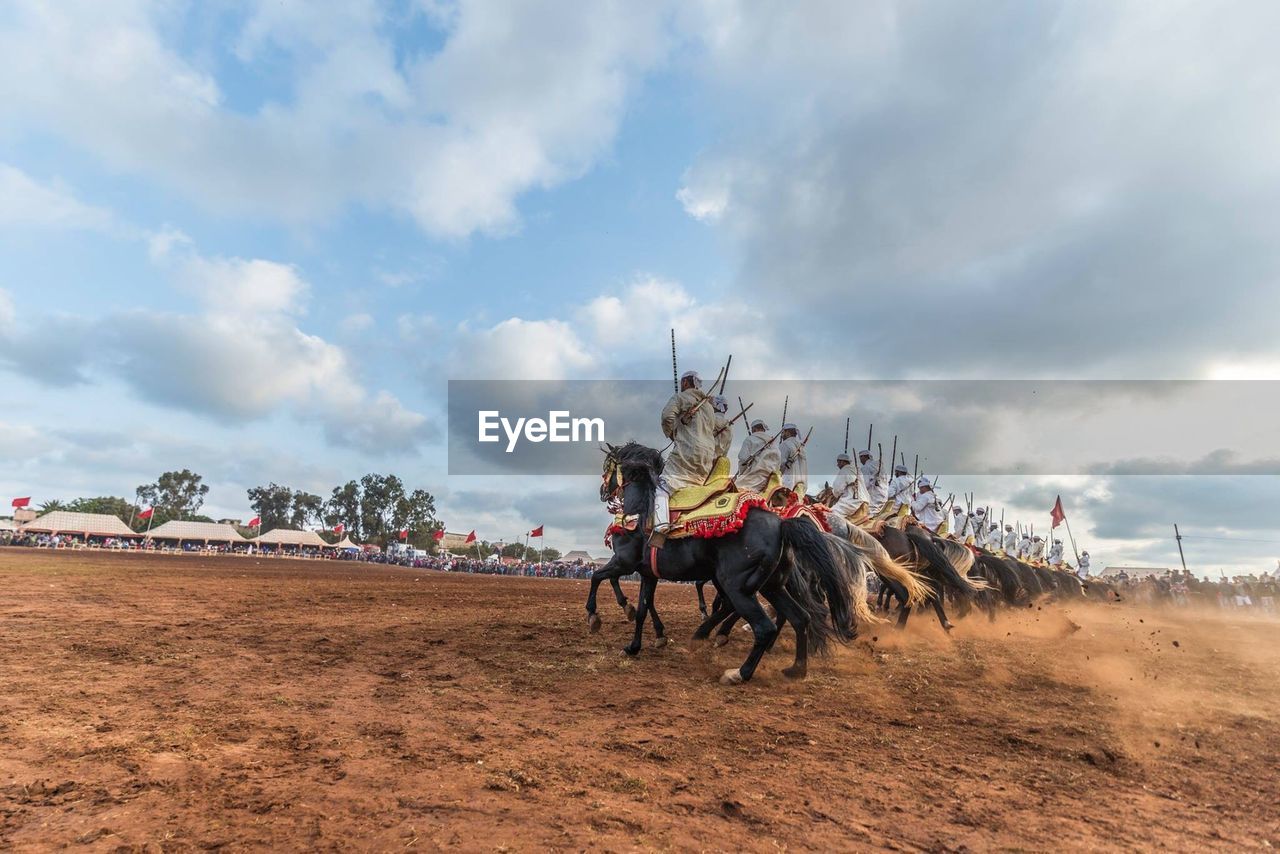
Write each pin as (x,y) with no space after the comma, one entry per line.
(658,537)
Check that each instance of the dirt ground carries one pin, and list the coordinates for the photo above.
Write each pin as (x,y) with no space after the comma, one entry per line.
(180,703)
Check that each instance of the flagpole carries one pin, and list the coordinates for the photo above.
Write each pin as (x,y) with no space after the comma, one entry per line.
(1073,540)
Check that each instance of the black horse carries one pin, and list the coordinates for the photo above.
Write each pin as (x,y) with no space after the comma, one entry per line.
(755,559)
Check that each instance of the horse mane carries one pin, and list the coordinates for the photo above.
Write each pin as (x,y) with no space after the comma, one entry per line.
(638,463)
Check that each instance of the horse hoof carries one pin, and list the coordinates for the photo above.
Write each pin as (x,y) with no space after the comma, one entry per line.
(794,672)
(593,623)
(632,653)
(631,612)
(721,640)
(660,643)
(731,677)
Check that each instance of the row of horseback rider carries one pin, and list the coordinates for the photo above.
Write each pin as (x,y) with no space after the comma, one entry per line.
(701,432)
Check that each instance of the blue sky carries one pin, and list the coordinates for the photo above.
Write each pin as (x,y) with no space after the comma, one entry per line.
(256,239)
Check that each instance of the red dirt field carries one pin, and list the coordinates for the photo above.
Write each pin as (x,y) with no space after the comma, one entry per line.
(181,703)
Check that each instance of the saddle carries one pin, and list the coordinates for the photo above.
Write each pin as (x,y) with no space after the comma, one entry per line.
(712,509)
(693,497)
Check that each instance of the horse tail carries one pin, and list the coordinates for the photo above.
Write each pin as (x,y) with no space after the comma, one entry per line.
(957,554)
(813,558)
(1004,578)
(886,566)
(933,556)
(856,565)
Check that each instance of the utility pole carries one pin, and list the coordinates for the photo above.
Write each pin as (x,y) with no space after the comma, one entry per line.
(1178,536)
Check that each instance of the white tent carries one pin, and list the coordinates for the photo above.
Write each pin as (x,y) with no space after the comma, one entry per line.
(85,524)
(199,532)
(346,544)
(288,537)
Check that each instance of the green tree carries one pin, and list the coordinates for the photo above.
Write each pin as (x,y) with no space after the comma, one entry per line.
(175,495)
(272,504)
(377,508)
(305,510)
(380,499)
(416,512)
(52,506)
(343,507)
(109,505)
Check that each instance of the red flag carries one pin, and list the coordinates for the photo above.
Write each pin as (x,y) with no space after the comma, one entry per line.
(471,538)
(144,515)
(255,522)
(404,535)
(22,502)
(536,532)
(1056,514)
(339,528)
(439,535)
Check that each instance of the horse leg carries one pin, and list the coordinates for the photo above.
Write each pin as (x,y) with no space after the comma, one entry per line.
(658,629)
(726,628)
(720,609)
(702,600)
(790,611)
(941,612)
(597,576)
(743,599)
(647,586)
(622,598)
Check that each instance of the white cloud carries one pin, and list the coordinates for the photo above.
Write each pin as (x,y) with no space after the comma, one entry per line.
(1018,181)
(451,138)
(624,334)
(354,324)
(242,287)
(8,315)
(240,357)
(704,192)
(25,201)
(518,349)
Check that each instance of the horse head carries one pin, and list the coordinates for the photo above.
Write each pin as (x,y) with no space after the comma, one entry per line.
(611,476)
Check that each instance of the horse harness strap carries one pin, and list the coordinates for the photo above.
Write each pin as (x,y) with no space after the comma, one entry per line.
(653,560)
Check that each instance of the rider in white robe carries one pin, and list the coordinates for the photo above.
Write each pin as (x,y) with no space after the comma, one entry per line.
(723,431)
(873,483)
(1010,541)
(795,464)
(847,487)
(900,488)
(1055,553)
(925,505)
(758,459)
(689,422)
(1083,569)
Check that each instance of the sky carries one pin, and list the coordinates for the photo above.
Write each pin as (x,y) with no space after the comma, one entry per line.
(257,240)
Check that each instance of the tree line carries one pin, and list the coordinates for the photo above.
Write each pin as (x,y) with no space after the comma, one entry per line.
(373,509)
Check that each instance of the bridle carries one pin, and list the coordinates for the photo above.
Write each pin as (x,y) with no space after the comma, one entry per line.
(612,474)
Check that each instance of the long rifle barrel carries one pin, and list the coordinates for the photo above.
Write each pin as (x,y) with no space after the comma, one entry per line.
(675,372)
